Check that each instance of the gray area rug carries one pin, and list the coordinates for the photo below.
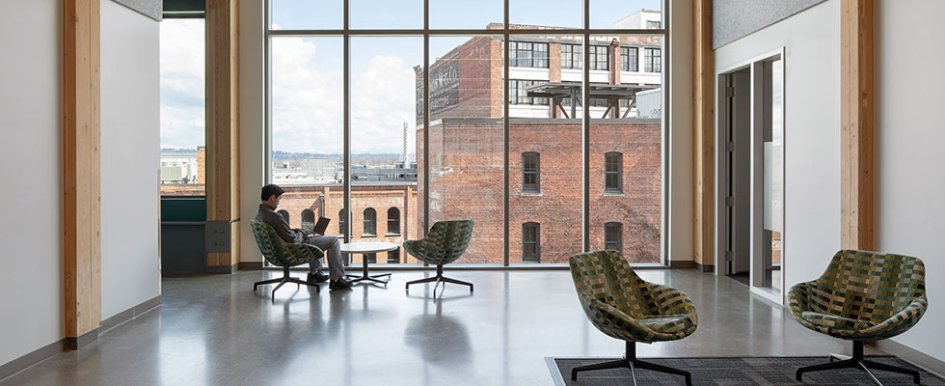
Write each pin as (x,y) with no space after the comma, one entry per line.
(734,371)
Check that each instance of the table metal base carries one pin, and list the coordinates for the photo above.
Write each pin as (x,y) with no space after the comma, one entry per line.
(365,277)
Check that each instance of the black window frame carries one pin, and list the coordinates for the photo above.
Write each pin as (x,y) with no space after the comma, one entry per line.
(393,257)
(625,59)
(572,56)
(393,221)
(652,59)
(528,54)
(342,220)
(531,248)
(518,95)
(369,221)
(527,171)
(611,243)
(308,214)
(285,215)
(613,172)
(600,58)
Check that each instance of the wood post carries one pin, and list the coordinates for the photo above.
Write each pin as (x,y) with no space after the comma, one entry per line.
(81,125)
(703,136)
(856,121)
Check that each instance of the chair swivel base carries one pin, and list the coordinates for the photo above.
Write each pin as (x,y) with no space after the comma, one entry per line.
(631,362)
(439,278)
(857,361)
(282,280)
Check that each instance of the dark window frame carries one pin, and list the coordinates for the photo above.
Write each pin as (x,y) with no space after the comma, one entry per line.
(652,59)
(600,58)
(572,56)
(342,220)
(519,96)
(613,172)
(531,157)
(625,60)
(528,54)
(393,221)
(370,223)
(531,248)
(610,243)
(393,257)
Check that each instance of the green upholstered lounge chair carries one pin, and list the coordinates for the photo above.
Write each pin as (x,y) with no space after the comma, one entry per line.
(625,307)
(444,244)
(282,254)
(863,297)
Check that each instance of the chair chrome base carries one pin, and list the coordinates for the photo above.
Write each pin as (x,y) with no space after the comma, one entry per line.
(439,278)
(282,280)
(631,362)
(856,361)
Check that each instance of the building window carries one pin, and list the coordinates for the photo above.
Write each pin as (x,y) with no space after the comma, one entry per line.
(653,24)
(628,58)
(531,172)
(393,257)
(371,258)
(571,56)
(308,219)
(600,57)
(531,242)
(342,220)
(652,60)
(613,236)
(518,93)
(370,222)
(393,222)
(613,172)
(528,54)
(284,213)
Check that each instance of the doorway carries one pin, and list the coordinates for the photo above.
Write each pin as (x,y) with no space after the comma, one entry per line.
(751,174)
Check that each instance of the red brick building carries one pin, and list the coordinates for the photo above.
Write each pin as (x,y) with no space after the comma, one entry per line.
(545,171)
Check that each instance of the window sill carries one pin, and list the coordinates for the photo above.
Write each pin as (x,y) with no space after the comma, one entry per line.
(614,194)
(392,235)
(368,235)
(532,194)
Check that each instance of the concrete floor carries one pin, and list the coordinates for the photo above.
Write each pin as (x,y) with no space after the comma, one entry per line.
(213,330)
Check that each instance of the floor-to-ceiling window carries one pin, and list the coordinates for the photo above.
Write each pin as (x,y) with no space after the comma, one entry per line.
(473,109)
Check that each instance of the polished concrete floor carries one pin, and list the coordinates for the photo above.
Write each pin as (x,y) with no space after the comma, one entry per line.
(213,330)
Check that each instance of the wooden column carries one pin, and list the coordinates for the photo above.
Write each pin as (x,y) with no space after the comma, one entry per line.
(81,181)
(223,212)
(856,121)
(703,136)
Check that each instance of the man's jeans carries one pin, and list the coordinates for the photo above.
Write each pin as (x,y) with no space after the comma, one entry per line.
(332,248)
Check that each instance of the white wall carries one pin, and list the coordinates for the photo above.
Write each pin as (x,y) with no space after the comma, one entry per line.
(252,124)
(909,137)
(31,277)
(130,158)
(811,130)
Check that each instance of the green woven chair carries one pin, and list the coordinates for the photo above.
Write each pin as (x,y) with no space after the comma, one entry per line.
(625,307)
(282,254)
(863,297)
(444,244)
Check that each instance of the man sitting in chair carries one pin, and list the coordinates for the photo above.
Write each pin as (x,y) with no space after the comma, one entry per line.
(271,194)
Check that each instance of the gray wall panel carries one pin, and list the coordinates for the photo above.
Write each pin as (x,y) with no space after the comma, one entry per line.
(149,8)
(734,19)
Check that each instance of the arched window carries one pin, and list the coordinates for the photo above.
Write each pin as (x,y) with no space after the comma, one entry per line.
(393,222)
(393,257)
(531,172)
(284,213)
(613,172)
(613,236)
(342,221)
(370,222)
(308,219)
(531,242)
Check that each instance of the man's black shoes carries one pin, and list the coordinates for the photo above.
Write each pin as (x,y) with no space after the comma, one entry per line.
(340,284)
(318,277)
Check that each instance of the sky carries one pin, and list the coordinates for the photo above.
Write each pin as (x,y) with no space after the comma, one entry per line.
(307,74)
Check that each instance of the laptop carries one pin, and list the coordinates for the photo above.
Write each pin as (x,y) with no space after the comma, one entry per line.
(321,225)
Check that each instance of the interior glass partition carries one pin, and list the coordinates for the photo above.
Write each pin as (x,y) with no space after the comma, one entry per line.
(388,99)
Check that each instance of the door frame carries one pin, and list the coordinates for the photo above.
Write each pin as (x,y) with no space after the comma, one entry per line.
(757,166)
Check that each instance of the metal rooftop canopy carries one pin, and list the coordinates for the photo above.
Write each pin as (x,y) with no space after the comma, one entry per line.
(558,91)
